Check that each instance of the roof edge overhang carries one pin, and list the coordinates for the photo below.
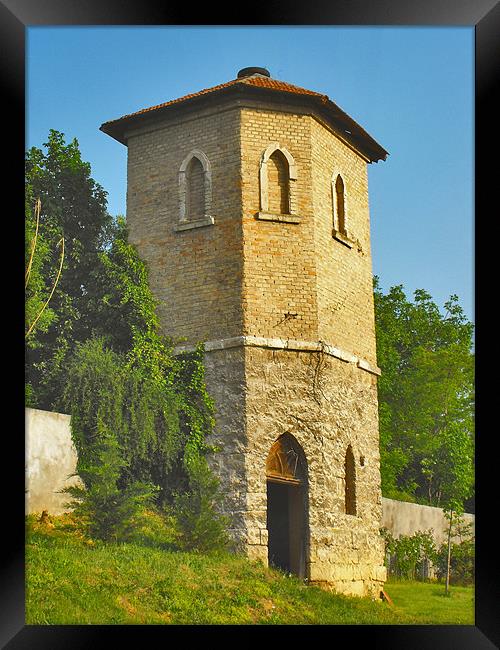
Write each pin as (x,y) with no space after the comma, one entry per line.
(320,105)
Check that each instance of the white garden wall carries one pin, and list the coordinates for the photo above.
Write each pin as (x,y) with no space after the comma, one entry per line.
(50,460)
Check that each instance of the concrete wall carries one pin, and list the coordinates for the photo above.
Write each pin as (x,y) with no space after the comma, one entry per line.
(402,518)
(50,460)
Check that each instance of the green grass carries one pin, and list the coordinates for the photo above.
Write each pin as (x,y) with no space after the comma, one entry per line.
(72,581)
(428,603)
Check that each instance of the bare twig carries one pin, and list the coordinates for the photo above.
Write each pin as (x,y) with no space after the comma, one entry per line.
(61,241)
(38,206)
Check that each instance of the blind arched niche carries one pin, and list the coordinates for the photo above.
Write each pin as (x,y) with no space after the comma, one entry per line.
(277,176)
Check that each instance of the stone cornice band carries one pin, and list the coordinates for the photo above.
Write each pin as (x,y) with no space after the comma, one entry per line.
(283,344)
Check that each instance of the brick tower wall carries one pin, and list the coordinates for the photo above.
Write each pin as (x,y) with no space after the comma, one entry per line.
(195,274)
(280,261)
(344,272)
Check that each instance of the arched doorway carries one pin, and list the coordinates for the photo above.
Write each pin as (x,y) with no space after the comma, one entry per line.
(286,473)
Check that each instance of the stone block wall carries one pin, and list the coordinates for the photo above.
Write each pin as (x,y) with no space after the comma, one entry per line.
(326,404)
(225,378)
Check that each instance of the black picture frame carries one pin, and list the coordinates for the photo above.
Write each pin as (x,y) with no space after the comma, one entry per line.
(484,16)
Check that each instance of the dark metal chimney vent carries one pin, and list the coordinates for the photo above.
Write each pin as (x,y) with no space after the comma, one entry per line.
(247,72)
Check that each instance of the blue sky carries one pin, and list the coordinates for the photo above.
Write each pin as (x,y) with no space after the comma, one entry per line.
(411,88)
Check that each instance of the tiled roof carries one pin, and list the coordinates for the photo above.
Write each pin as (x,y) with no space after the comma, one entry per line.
(255,80)
(348,127)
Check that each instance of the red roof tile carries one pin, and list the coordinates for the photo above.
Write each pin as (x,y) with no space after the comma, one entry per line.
(353,132)
(260,81)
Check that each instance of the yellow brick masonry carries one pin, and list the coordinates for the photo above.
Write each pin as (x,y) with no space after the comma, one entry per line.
(245,276)
(344,274)
(279,288)
(195,274)
(300,270)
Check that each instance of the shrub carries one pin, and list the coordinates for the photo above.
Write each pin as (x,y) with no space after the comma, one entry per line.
(409,556)
(138,424)
(200,524)
(104,393)
(461,562)
(102,509)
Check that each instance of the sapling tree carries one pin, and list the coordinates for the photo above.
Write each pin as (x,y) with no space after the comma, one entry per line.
(455,470)
(104,509)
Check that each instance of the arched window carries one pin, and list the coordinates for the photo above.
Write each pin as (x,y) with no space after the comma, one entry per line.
(277,175)
(195,188)
(350,482)
(339,217)
(279,195)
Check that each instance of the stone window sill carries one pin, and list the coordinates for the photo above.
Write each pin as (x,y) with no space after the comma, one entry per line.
(283,218)
(342,238)
(195,223)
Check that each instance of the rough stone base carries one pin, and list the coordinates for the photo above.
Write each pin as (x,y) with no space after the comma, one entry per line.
(358,588)
(327,405)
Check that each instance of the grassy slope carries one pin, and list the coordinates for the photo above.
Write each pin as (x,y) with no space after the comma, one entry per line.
(69,581)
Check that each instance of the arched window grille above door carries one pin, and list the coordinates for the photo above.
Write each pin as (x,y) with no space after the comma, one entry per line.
(286,461)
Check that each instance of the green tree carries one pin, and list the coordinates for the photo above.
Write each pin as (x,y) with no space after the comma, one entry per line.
(455,558)
(73,208)
(127,377)
(140,420)
(140,415)
(200,523)
(106,393)
(121,304)
(455,469)
(426,395)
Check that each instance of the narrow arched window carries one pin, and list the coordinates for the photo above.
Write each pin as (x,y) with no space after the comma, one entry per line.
(195,190)
(278,183)
(350,482)
(339,219)
(277,176)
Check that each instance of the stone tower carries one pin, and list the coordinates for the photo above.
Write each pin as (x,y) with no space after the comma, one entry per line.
(249,203)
